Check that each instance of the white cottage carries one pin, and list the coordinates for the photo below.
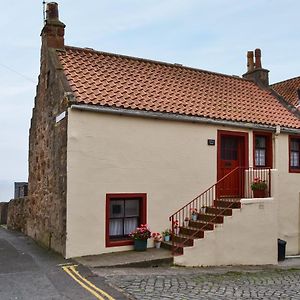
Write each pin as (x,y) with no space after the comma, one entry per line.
(119,141)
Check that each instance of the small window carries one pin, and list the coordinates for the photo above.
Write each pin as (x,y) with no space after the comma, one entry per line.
(124,213)
(262,149)
(294,154)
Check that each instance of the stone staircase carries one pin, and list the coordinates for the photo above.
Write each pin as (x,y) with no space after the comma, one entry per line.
(207,220)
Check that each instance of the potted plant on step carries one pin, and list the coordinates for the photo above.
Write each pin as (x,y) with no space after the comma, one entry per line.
(186,221)
(157,237)
(140,237)
(176,227)
(167,234)
(194,213)
(259,188)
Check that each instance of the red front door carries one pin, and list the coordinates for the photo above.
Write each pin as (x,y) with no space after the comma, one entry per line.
(231,154)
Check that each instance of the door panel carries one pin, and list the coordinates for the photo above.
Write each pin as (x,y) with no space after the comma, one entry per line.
(231,155)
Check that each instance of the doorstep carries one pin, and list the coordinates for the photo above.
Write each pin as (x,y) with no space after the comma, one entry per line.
(151,258)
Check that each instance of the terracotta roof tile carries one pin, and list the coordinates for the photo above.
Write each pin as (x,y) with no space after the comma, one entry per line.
(106,79)
(288,90)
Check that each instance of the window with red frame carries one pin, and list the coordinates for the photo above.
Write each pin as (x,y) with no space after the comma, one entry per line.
(124,213)
(295,154)
(262,149)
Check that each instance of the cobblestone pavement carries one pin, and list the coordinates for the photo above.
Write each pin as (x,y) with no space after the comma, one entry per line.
(185,283)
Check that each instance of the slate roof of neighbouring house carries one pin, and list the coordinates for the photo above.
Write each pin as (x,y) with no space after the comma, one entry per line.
(111,80)
(288,89)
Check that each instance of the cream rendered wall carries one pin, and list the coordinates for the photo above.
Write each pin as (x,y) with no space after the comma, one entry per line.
(170,161)
(288,194)
(248,237)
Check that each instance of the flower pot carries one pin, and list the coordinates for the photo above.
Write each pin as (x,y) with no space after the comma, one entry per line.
(186,223)
(140,245)
(157,245)
(176,230)
(167,238)
(194,217)
(259,193)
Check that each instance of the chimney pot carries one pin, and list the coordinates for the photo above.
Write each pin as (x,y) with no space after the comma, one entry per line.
(257,59)
(52,11)
(250,61)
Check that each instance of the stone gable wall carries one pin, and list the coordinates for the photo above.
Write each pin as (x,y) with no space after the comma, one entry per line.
(47,157)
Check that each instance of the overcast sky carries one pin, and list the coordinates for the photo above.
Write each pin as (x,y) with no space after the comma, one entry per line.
(208,34)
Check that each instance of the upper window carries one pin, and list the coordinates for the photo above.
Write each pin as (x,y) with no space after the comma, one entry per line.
(294,154)
(262,149)
(124,213)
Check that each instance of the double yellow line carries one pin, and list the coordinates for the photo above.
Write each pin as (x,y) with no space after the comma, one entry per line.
(98,293)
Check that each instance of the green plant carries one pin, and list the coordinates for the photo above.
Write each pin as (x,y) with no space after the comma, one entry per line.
(167,232)
(258,184)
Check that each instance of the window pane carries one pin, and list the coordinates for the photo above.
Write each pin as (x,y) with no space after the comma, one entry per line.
(116,227)
(260,157)
(260,142)
(295,160)
(116,208)
(130,224)
(229,148)
(295,145)
(131,208)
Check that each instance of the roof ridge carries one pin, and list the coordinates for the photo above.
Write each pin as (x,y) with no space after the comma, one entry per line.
(293,78)
(174,65)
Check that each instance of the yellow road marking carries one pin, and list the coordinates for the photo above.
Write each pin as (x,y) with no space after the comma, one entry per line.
(67,264)
(71,271)
(91,285)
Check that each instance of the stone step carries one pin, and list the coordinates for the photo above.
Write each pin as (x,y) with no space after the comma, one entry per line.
(227,203)
(210,218)
(187,240)
(202,225)
(192,231)
(168,245)
(219,211)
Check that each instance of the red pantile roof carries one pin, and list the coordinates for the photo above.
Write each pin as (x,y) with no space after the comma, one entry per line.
(288,90)
(112,80)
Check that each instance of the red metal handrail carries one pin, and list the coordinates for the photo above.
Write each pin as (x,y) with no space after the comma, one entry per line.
(240,178)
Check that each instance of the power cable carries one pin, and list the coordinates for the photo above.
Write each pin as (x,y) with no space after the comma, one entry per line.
(16,72)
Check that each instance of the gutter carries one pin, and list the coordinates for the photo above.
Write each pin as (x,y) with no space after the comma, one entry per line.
(178,117)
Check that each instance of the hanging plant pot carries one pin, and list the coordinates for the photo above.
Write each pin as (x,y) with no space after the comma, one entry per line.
(194,217)
(259,193)
(140,245)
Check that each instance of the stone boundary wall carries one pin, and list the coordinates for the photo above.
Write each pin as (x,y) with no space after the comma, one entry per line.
(17,214)
(3,212)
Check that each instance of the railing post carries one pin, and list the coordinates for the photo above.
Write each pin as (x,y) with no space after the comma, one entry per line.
(269,182)
(172,234)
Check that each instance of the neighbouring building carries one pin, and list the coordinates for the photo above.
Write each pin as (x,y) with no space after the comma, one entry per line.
(21,190)
(118,141)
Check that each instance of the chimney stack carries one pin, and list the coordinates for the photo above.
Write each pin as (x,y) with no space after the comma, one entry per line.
(255,71)
(54,30)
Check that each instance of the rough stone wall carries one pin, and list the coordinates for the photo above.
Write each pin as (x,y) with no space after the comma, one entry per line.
(3,212)
(47,156)
(17,214)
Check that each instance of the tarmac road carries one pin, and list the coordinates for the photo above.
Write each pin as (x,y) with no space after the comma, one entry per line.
(29,272)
